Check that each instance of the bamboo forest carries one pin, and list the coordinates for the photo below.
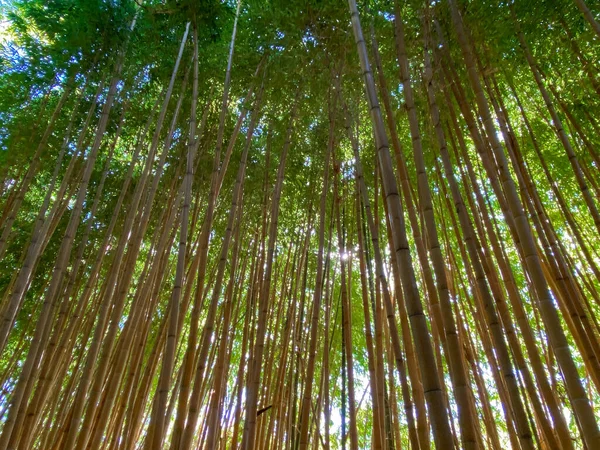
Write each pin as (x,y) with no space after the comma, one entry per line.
(299,224)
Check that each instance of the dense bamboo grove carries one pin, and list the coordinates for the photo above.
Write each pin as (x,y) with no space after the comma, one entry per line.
(299,224)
